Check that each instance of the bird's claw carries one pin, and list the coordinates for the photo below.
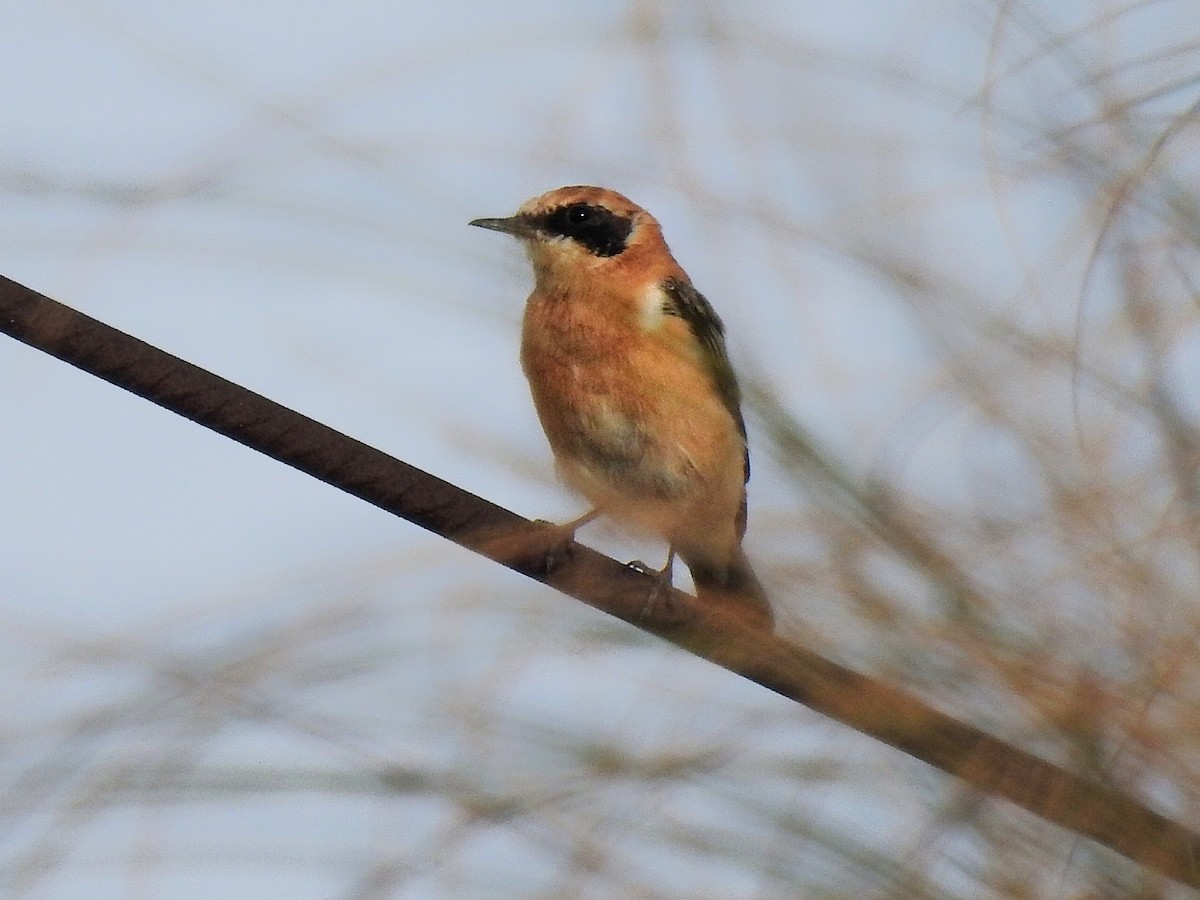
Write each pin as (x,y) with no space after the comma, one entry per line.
(660,588)
(638,566)
(552,546)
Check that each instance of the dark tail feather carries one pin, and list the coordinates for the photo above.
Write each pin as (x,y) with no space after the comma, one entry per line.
(736,589)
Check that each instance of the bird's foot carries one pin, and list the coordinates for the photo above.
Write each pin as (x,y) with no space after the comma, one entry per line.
(660,590)
(550,545)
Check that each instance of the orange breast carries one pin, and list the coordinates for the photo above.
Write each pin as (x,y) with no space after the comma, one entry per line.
(632,416)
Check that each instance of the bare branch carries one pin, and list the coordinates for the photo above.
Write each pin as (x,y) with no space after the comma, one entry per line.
(871,706)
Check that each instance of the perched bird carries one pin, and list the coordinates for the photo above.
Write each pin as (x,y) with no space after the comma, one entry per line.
(627,365)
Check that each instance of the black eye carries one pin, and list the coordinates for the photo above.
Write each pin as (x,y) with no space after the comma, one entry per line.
(597,228)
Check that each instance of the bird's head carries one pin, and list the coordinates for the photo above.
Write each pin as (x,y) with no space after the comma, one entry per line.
(584,232)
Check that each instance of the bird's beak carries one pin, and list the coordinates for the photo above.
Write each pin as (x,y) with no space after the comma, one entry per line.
(517,226)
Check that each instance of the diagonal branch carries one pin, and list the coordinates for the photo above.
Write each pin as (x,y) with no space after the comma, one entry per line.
(1107,816)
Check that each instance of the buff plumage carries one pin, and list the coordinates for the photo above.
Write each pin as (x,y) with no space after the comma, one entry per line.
(630,378)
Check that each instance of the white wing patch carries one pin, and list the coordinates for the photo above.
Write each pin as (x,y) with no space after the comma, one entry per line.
(652,301)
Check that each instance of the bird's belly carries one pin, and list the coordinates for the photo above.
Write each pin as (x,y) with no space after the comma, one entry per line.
(650,460)
(638,431)
(604,448)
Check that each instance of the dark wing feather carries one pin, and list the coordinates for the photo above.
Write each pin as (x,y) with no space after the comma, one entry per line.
(687,303)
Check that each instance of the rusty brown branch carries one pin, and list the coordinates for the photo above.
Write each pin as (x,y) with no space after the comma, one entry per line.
(1107,816)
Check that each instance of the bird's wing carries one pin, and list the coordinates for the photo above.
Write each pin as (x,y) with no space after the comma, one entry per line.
(689,304)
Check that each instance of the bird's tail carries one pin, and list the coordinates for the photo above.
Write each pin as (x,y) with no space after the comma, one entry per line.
(735,588)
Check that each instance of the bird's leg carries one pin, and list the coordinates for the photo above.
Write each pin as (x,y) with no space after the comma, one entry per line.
(663,579)
(575,524)
(555,545)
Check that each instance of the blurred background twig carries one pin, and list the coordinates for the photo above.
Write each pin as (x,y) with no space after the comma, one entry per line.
(954,244)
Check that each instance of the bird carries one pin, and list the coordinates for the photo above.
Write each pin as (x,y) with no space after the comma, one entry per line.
(632,384)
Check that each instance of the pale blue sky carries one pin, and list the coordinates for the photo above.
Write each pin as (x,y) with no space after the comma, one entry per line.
(279,192)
